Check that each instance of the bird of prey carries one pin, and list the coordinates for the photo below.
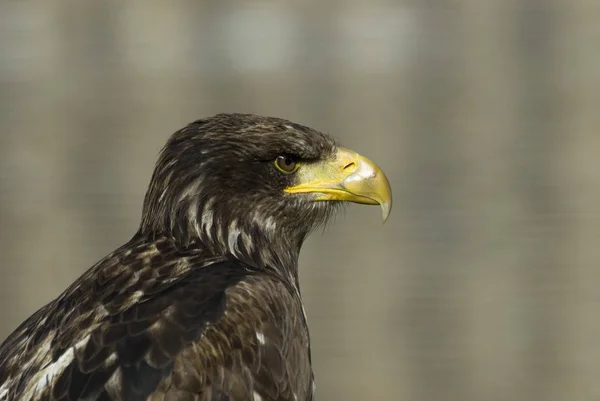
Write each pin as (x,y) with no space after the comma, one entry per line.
(203,302)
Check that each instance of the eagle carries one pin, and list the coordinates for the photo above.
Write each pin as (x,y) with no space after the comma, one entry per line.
(203,303)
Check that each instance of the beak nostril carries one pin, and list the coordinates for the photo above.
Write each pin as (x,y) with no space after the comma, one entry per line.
(351,164)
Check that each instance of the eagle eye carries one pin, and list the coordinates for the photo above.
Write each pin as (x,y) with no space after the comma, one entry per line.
(286,164)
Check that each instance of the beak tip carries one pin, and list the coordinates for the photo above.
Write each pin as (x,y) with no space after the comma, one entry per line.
(386,208)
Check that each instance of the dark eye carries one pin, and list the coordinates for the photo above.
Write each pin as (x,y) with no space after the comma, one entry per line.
(286,164)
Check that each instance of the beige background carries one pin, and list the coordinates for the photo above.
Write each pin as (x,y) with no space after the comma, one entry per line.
(482,286)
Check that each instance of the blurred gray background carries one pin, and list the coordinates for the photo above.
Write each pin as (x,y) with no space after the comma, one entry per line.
(483,283)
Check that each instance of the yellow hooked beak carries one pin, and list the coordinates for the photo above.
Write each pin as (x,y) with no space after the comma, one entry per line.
(349,177)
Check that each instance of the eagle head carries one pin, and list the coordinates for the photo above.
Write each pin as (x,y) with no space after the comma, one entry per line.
(254,187)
